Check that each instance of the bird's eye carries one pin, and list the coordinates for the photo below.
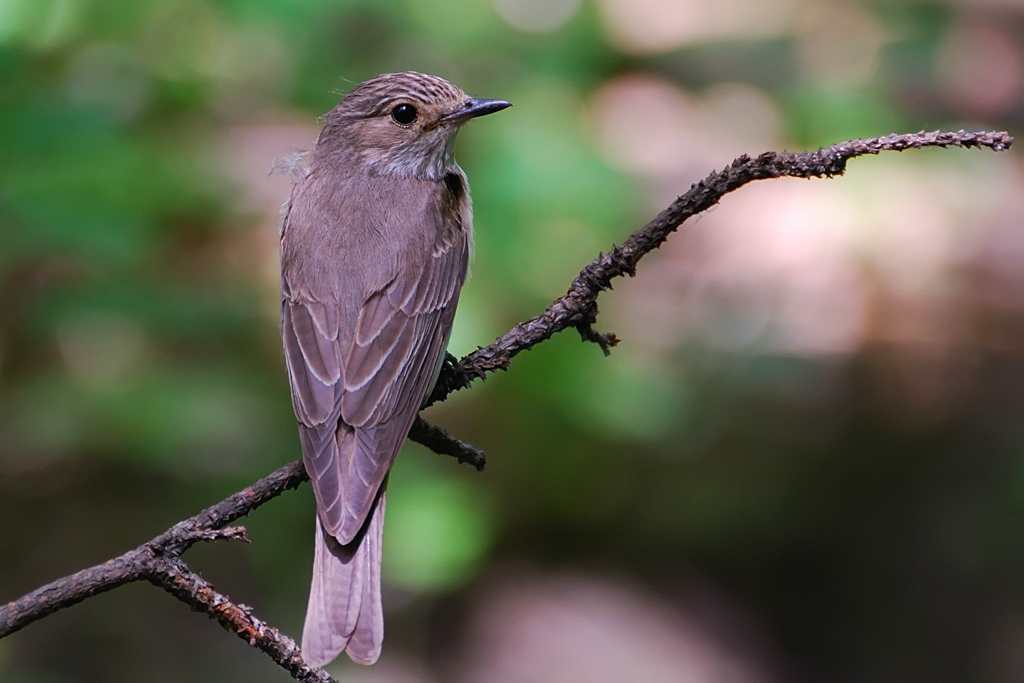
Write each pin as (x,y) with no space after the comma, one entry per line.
(404,114)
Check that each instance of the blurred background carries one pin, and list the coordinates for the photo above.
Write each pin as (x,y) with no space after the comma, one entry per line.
(804,462)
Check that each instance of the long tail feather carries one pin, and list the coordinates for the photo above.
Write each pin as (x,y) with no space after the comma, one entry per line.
(345,611)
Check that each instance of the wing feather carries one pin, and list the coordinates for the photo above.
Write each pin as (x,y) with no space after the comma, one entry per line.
(374,315)
(319,351)
(381,355)
(359,375)
(312,399)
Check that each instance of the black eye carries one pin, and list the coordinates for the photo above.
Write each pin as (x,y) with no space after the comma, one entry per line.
(404,114)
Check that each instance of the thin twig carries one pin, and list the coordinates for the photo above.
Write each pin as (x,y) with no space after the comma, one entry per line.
(443,443)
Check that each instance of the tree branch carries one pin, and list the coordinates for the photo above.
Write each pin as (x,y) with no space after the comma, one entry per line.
(174,576)
(443,443)
(578,307)
(159,561)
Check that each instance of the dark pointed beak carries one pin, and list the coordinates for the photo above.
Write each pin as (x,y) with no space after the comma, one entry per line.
(474,108)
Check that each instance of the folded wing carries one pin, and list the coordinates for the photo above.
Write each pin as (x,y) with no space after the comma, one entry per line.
(357,394)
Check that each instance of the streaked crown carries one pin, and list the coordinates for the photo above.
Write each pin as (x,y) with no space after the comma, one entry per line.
(381,93)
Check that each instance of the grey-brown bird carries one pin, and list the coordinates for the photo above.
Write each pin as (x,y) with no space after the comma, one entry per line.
(375,246)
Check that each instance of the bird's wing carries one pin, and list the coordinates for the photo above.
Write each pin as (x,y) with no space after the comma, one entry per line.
(357,394)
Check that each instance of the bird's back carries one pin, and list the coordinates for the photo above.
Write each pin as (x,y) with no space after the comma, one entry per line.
(372,268)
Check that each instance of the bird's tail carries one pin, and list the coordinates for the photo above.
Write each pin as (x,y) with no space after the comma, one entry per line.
(345,611)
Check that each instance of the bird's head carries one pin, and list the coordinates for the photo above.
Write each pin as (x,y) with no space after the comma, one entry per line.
(402,124)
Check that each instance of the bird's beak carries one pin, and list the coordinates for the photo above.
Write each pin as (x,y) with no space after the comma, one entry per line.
(474,108)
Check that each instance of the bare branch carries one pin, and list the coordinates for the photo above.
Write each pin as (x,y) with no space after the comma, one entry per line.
(578,307)
(71,590)
(176,578)
(443,443)
(159,562)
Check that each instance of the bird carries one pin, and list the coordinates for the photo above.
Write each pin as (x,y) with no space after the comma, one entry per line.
(375,244)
